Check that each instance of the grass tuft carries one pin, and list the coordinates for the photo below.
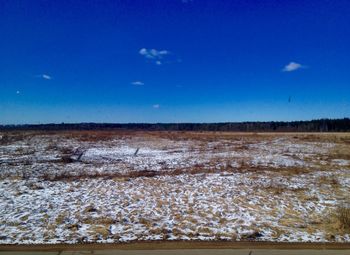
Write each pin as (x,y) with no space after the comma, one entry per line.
(343,214)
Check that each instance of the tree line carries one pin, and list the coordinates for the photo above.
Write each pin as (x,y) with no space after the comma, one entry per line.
(320,125)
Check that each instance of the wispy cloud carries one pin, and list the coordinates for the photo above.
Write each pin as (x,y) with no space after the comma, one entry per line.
(44,76)
(292,66)
(154,55)
(137,83)
(156,106)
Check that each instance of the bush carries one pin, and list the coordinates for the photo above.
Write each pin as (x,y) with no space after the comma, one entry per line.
(66,159)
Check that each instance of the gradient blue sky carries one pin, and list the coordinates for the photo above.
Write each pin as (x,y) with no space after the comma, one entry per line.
(173,60)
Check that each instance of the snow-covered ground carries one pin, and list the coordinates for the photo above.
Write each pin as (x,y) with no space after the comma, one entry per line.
(271,188)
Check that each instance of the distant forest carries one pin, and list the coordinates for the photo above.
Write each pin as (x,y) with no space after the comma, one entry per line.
(321,125)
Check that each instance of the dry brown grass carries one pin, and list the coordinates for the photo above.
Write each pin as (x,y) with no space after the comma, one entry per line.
(336,220)
(98,221)
(61,217)
(100,230)
(290,171)
(329,180)
(343,215)
(11,137)
(68,176)
(276,189)
(324,137)
(279,188)
(196,169)
(341,151)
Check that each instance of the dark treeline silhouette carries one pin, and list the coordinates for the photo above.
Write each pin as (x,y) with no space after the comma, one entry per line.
(321,125)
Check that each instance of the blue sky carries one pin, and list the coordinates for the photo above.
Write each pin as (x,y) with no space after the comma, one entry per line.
(173,60)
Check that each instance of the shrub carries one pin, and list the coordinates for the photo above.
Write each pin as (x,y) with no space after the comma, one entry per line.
(66,159)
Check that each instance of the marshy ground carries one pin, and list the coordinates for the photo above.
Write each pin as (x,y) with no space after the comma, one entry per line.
(121,186)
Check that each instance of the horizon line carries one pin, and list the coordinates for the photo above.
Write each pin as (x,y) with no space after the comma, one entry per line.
(169,123)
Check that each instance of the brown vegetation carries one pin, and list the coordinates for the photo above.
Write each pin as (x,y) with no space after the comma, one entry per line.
(343,214)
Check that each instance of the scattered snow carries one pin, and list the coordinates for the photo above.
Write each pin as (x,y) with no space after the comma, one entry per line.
(229,204)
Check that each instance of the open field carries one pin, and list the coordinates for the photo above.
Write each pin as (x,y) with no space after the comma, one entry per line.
(123,186)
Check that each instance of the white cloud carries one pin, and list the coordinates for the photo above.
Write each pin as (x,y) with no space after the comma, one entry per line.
(44,76)
(156,106)
(154,55)
(292,66)
(137,83)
